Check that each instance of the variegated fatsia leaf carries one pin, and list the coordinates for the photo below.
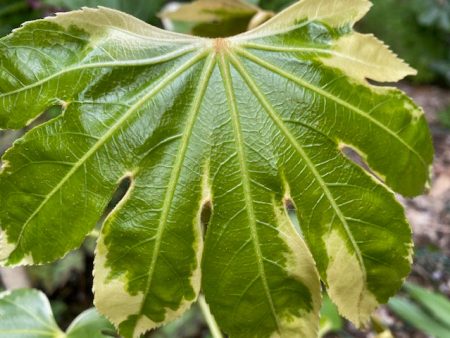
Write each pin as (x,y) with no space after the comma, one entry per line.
(246,126)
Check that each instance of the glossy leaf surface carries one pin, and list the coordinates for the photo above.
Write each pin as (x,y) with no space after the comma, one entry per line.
(26,313)
(90,324)
(244,126)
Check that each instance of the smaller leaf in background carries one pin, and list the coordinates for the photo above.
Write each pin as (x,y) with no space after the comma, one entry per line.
(213,18)
(418,318)
(330,320)
(435,303)
(433,13)
(90,324)
(27,313)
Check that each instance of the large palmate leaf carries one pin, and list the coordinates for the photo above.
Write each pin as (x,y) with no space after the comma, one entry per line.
(246,127)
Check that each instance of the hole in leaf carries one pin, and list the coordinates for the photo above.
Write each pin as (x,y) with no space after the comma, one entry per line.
(7,137)
(120,192)
(379,83)
(205,216)
(355,156)
(54,111)
(292,213)
(117,196)
(49,114)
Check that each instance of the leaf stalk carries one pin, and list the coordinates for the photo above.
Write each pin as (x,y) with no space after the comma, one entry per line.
(209,318)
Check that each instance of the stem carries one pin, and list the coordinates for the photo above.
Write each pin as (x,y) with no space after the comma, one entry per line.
(212,324)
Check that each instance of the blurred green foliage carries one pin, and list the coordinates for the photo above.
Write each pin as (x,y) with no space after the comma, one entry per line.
(418,30)
(444,117)
(433,13)
(143,9)
(13,13)
(425,310)
(330,320)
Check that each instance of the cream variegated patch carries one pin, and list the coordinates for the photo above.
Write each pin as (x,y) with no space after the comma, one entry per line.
(335,13)
(105,20)
(116,303)
(4,164)
(124,304)
(362,56)
(346,280)
(111,297)
(299,264)
(198,230)
(6,247)
(144,323)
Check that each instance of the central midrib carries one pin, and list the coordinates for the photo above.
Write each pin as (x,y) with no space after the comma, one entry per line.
(176,171)
(246,184)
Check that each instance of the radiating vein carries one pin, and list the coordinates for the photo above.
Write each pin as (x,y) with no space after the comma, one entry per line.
(31,314)
(116,126)
(176,171)
(325,50)
(128,63)
(330,96)
(254,34)
(225,71)
(298,147)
